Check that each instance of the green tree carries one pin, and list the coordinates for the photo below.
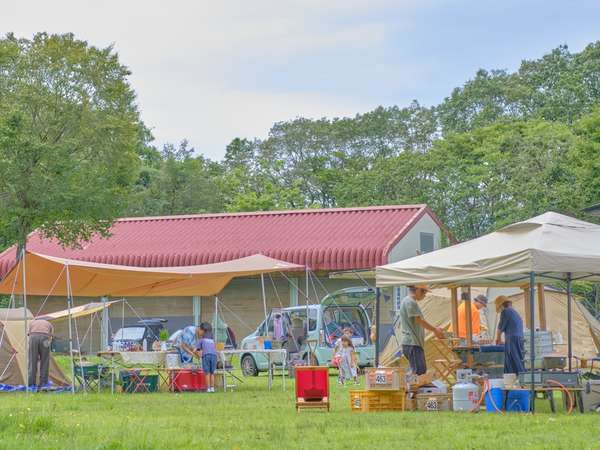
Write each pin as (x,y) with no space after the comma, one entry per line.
(69,138)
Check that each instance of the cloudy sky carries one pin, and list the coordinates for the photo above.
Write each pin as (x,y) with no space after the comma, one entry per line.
(211,71)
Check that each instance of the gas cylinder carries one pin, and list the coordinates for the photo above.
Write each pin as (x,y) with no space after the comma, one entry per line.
(465,396)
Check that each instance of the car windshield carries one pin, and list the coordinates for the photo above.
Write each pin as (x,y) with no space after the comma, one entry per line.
(130,334)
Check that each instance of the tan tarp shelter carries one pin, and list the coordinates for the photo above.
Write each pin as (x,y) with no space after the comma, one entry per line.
(77,311)
(549,245)
(13,358)
(47,275)
(436,309)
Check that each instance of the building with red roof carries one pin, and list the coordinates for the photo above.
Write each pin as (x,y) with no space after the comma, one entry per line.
(324,240)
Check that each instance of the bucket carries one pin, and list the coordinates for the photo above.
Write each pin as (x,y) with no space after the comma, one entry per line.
(518,401)
(268,345)
(497,396)
(173,361)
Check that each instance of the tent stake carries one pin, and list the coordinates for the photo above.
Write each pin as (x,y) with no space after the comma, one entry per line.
(532,337)
(569,321)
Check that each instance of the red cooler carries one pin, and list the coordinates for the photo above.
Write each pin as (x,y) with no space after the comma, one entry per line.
(188,380)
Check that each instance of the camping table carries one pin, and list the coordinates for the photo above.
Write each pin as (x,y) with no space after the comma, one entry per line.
(267,352)
(132,360)
(548,393)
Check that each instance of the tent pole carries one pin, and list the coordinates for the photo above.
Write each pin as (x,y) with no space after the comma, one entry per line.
(69,299)
(310,356)
(569,321)
(454,312)
(542,306)
(27,362)
(377,324)
(215,320)
(264,295)
(532,337)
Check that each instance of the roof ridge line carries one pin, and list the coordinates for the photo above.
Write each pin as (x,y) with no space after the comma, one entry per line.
(270,213)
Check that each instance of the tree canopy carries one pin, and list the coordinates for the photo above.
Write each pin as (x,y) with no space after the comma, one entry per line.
(70,134)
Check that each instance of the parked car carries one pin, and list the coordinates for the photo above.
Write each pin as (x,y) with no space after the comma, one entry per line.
(133,336)
(326,321)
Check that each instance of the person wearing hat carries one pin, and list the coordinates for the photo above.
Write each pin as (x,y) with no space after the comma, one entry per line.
(511,325)
(479,302)
(413,327)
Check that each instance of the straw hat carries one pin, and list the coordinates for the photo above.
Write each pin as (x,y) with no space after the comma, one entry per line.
(500,300)
(421,286)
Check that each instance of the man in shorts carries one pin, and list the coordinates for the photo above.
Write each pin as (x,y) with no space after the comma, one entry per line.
(413,327)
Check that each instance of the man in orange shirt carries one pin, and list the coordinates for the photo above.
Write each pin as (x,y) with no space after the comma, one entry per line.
(479,302)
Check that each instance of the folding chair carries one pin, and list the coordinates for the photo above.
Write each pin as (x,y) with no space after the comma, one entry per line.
(312,387)
(88,376)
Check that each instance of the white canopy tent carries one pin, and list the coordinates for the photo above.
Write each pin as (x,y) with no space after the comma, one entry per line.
(544,249)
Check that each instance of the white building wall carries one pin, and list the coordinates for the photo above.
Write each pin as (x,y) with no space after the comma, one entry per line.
(409,246)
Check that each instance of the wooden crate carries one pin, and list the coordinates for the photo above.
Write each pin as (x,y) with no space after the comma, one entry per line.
(385,379)
(434,402)
(374,401)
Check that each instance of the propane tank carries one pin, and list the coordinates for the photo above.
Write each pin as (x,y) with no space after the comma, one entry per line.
(465,396)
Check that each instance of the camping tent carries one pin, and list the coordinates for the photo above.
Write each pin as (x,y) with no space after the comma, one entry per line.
(13,359)
(436,309)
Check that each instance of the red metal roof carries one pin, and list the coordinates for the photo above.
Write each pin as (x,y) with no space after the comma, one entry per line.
(322,239)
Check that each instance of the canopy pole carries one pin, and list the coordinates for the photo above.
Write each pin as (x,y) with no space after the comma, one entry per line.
(454,306)
(215,319)
(310,353)
(532,337)
(527,298)
(69,300)
(569,321)
(377,324)
(466,296)
(27,362)
(542,307)
(264,295)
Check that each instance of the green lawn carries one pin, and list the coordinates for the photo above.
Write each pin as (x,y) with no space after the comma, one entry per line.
(253,417)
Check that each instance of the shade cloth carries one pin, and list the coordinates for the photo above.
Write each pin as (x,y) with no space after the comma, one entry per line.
(77,311)
(550,245)
(47,275)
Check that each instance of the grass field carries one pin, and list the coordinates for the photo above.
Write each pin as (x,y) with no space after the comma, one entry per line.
(253,417)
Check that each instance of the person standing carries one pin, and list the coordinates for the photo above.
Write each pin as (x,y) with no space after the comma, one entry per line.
(208,354)
(40,338)
(511,325)
(413,327)
(479,303)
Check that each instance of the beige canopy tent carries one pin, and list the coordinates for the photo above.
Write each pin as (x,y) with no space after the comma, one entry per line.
(550,245)
(13,354)
(37,274)
(544,249)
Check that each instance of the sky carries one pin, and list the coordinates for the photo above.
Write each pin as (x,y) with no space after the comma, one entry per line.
(212,71)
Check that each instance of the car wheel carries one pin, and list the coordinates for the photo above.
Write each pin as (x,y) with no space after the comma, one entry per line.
(248,365)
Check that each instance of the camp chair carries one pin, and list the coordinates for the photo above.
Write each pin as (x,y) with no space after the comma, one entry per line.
(88,376)
(446,365)
(312,387)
